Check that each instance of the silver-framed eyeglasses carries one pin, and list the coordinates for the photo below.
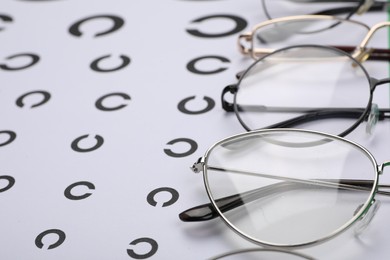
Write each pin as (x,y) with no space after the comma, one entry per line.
(310,87)
(289,188)
(342,8)
(277,33)
(262,253)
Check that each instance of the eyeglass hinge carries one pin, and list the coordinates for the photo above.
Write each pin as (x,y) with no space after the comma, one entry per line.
(247,37)
(362,54)
(198,166)
(227,106)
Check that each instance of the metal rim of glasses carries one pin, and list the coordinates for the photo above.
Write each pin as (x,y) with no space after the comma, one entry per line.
(259,251)
(249,36)
(358,215)
(359,120)
(359,52)
(361,7)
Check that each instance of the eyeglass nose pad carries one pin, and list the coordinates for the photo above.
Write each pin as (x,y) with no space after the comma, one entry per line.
(372,119)
(366,219)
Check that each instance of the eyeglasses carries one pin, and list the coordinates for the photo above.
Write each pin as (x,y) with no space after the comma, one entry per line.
(262,253)
(289,188)
(346,8)
(310,87)
(313,29)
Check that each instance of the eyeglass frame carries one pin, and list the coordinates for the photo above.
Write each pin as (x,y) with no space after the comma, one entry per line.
(359,52)
(373,83)
(259,250)
(211,210)
(362,7)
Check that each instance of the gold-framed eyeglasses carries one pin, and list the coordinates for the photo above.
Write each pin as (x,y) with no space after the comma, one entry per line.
(277,33)
(341,8)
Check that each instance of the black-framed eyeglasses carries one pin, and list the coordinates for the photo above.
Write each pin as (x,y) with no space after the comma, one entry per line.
(278,33)
(308,86)
(289,188)
(345,9)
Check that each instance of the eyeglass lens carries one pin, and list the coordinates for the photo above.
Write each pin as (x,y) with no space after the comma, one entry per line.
(306,87)
(308,31)
(262,253)
(294,187)
(280,8)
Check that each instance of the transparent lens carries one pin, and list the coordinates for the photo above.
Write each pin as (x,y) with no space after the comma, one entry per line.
(261,253)
(322,31)
(376,40)
(315,88)
(280,8)
(377,48)
(288,187)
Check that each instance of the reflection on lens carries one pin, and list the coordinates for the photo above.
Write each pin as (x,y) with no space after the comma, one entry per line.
(317,88)
(280,8)
(261,253)
(308,30)
(293,187)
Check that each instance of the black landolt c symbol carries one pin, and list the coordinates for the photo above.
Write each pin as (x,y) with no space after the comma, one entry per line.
(182,106)
(32,57)
(153,248)
(174,196)
(6,19)
(61,238)
(11,137)
(95,65)
(45,98)
(116,20)
(240,24)
(192,143)
(76,144)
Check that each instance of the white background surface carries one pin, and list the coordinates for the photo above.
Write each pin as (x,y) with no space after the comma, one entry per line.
(131,163)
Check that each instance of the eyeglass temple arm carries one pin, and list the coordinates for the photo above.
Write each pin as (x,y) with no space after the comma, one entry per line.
(375,7)
(206,211)
(311,114)
(367,53)
(373,54)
